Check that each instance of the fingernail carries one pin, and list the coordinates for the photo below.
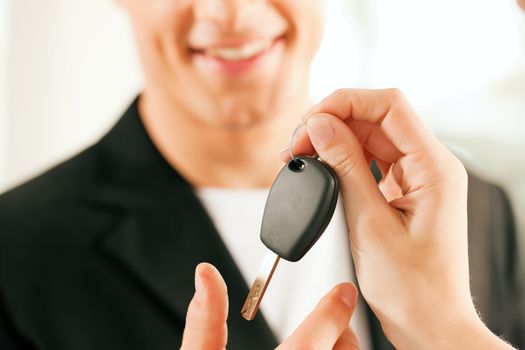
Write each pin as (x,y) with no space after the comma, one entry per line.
(348,295)
(200,287)
(320,130)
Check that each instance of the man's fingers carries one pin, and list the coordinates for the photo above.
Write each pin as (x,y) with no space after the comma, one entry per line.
(325,325)
(207,313)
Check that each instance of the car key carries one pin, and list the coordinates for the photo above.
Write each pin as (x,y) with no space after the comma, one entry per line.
(299,207)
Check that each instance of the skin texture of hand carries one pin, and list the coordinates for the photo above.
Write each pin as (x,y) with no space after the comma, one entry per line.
(409,234)
(327,327)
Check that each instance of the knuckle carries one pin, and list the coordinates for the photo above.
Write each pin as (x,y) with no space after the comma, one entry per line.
(339,93)
(395,94)
(460,166)
(458,170)
(451,170)
(343,162)
(457,165)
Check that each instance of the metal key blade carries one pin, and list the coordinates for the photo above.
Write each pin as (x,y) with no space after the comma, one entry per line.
(251,305)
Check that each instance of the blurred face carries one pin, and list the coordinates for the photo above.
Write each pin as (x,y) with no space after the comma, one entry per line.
(227,62)
(522,4)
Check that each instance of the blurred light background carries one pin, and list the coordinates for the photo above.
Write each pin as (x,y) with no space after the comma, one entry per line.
(68,68)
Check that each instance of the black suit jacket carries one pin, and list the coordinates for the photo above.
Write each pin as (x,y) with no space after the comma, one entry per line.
(99,253)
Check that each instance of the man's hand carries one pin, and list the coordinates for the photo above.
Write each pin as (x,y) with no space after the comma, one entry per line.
(327,327)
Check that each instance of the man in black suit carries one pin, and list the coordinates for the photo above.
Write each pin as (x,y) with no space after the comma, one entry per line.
(100,251)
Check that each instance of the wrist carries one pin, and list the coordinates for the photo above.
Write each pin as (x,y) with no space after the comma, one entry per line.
(472,336)
(466,334)
(449,325)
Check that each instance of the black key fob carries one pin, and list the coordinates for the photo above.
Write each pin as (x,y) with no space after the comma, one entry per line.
(299,207)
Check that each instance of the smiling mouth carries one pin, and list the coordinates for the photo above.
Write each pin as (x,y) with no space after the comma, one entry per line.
(244,52)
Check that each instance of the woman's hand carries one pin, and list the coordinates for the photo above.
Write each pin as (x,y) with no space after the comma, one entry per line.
(409,234)
(325,328)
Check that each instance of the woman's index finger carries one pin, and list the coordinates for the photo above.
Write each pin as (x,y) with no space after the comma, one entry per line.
(388,108)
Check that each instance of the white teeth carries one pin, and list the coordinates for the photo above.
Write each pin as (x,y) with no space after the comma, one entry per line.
(239,53)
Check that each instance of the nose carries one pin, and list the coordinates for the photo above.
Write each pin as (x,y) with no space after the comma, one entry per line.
(225,13)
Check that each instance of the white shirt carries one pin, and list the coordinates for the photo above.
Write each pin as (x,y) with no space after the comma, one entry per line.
(295,288)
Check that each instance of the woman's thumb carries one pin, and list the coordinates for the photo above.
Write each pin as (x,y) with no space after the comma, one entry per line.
(337,146)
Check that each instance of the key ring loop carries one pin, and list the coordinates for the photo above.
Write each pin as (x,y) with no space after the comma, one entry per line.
(290,148)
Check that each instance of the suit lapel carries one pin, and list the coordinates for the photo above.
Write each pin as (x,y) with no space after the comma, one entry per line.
(163,231)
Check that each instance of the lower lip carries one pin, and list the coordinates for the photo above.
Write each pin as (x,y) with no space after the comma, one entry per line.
(241,66)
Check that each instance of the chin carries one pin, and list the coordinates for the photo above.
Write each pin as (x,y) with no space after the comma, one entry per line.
(245,118)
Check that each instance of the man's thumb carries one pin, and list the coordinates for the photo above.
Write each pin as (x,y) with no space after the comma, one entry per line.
(207,313)
(337,146)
